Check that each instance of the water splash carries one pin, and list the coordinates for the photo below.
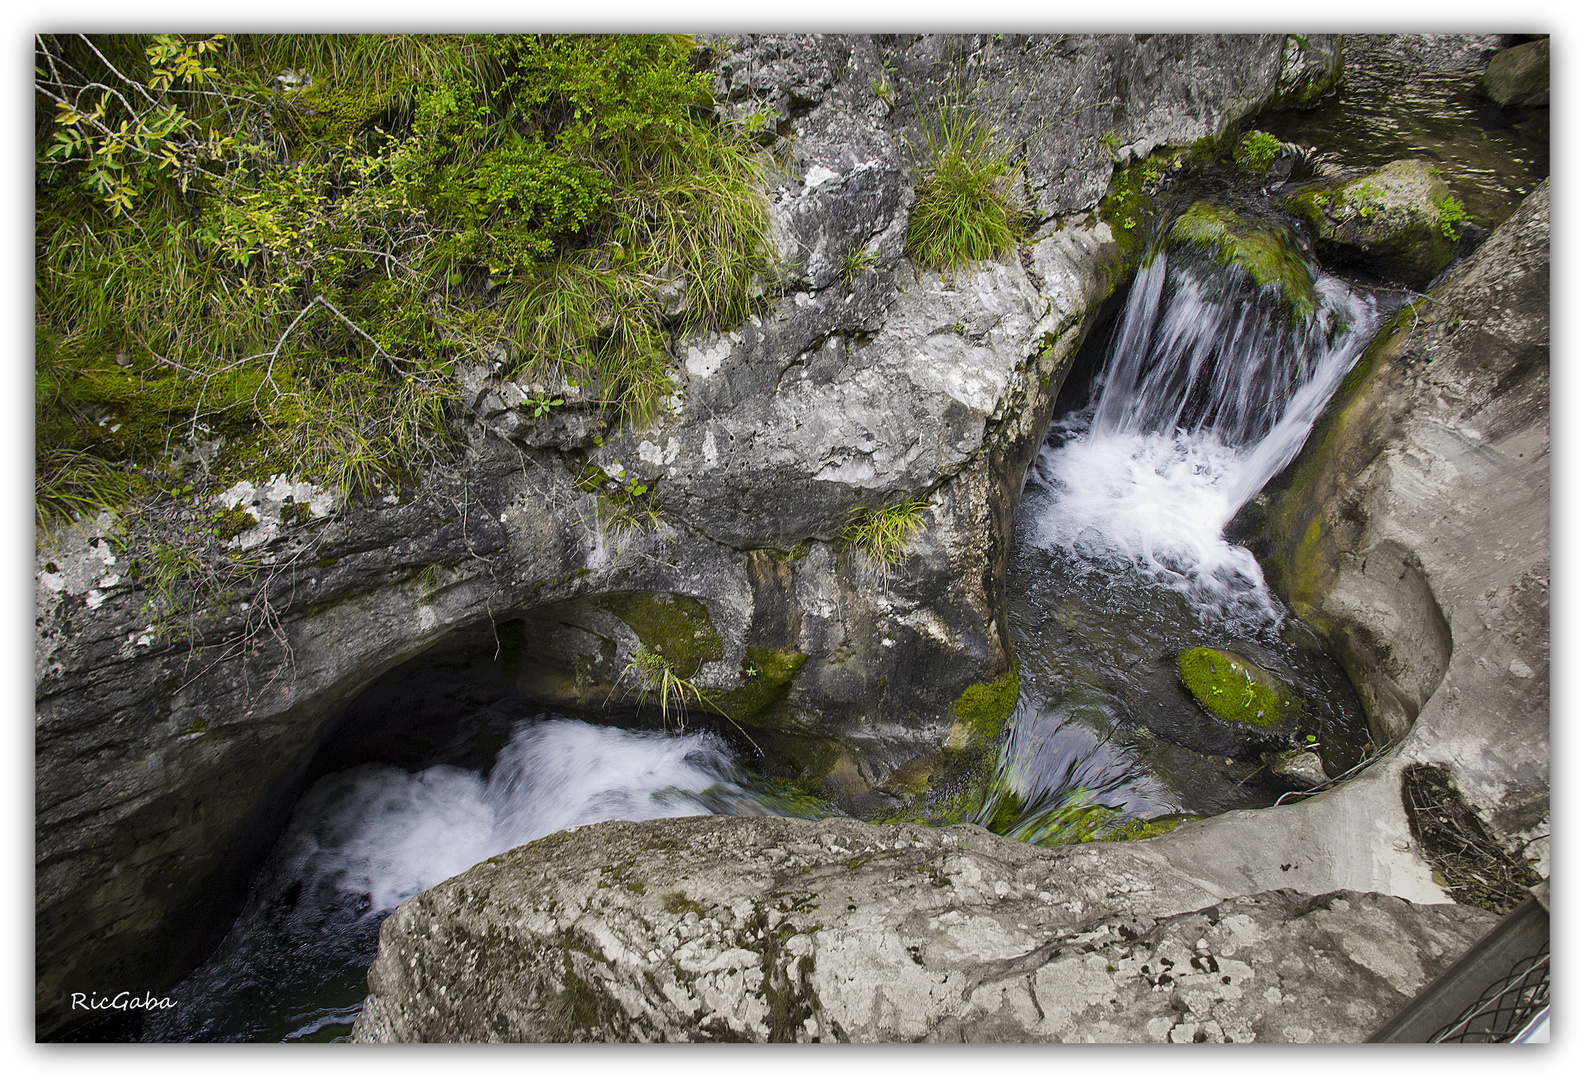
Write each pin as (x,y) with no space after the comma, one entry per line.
(362,841)
(1209,389)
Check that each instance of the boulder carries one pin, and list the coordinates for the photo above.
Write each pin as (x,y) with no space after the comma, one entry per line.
(774,930)
(1312,66)
(1414,527)
(1520,77)
(1397,222)
(1237,690)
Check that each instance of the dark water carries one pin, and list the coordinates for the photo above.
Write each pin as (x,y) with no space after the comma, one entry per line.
(1414,96)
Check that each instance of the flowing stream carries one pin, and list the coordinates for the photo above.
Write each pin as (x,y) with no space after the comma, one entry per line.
(365,839)
(1208,389)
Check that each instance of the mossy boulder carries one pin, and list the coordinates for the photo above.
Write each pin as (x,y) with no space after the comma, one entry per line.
(1397,222)
(1235,689)
(1269,255)
(1521,76)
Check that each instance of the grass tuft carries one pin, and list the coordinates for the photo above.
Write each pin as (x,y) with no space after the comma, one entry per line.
(967,207)
(883,534)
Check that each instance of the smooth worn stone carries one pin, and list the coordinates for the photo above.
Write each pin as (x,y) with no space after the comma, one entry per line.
(1520,77)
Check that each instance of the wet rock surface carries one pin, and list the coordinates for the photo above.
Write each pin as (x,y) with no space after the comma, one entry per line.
(1521,76)
(791,931)
(1389,221)
(168,756)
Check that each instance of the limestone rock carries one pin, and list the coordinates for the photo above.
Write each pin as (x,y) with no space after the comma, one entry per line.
(1521,77)
(1416,529)
(1389,221)
(1303,767)
(773,930)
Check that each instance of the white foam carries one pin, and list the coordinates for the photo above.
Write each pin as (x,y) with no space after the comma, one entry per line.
(1209,390)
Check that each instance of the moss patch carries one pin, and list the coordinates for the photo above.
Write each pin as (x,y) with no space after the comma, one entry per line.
(766,673)
(983,707)
(1233,689)
(677,627)
(1267,255)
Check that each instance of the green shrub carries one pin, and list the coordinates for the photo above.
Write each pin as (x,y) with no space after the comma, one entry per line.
(1451,212)
(967,207)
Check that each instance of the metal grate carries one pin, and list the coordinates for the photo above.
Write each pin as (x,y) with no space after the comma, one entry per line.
(1506,1006)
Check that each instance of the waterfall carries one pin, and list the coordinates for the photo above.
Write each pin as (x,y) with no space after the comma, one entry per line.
(362,841)
(1208,390)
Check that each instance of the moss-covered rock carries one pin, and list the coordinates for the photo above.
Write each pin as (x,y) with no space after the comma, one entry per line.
(766,673)
(1394,222)
(1237,690)
(1267,254)
(982,709)
(1312,65)
(677,627)
(1520,76)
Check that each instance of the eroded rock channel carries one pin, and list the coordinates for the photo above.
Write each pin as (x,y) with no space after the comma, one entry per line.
(451,676)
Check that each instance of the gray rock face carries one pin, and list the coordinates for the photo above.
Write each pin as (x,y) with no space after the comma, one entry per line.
(1388,221)
(169,755)
(1521,76)
(1416,531)
(792,931)
(1434,465)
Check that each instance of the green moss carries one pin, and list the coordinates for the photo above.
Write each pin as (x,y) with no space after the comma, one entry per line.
(678,628)
(1126,207)
(1232,689)
(1268,255)
(766,674)
(677,904)
(983,707)
(232,521)
(1145,828)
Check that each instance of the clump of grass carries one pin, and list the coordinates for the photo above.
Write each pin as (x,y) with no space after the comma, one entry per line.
(967,207)
(883,533)
(1451,212)
(656,677)
(858,261)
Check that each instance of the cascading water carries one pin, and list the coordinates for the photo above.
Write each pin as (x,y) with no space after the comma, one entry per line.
(363,840)
(1206,394)
(1209,388)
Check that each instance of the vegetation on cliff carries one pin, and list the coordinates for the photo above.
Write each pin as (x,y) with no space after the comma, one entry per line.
(288,242)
